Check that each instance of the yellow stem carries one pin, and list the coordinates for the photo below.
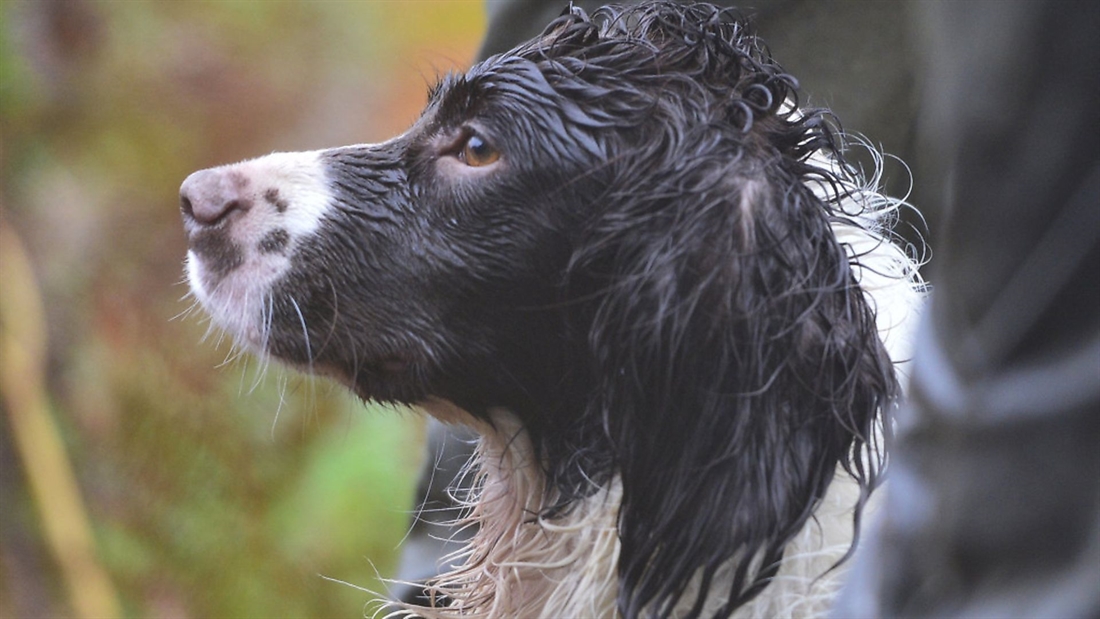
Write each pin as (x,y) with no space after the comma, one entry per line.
(67,529)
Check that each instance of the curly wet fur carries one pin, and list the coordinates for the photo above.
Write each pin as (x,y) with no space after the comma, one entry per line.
(522,563)
(727,317)
(725,268)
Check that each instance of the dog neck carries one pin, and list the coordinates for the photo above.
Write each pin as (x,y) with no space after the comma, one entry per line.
(521,564)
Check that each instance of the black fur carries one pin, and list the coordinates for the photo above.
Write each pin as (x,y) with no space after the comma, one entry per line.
(644,279)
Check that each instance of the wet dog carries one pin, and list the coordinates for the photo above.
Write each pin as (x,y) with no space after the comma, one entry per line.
(626,256)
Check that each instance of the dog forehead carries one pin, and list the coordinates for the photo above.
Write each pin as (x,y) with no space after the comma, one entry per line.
(451,93)
(497,80)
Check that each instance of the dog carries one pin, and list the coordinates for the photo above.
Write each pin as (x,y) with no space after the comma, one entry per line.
(649,279)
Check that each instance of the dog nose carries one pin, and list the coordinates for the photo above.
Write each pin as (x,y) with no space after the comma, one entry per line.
(208,196)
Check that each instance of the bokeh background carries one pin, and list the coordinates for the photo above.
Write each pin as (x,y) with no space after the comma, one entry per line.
(144,472)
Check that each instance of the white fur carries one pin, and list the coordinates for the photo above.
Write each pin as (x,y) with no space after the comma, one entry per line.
(522,565)
(885,268)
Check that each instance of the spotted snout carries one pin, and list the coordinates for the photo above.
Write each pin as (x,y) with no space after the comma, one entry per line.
(243,223)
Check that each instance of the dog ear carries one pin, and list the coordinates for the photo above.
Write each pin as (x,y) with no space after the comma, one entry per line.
(738,365)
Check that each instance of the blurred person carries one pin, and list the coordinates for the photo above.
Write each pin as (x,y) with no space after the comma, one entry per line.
(993,501)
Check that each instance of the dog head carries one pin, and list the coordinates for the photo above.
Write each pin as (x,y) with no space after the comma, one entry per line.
(610,232)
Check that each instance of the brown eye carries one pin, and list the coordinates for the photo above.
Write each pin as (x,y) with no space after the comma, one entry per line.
(476,152)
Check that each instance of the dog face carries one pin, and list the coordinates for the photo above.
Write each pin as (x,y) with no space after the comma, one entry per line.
(610,232)
(423,266)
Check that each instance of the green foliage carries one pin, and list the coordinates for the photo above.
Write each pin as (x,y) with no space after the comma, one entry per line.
(214,490)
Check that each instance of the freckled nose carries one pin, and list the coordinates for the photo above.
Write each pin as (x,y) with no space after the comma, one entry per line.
(208,196)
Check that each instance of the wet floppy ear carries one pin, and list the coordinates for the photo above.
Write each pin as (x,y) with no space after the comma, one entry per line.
(741,366)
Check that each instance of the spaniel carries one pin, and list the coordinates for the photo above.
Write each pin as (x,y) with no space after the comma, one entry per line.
(626,256)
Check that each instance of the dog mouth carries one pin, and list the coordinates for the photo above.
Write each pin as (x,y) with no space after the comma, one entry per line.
(266,313)
(265,242)
(394,379)
(393,365)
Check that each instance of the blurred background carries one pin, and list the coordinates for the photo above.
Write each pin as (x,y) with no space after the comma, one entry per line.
(141,473)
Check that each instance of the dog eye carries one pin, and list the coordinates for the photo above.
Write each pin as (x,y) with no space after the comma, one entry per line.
(476,152)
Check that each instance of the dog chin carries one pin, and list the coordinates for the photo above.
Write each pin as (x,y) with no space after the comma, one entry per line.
(235,303)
